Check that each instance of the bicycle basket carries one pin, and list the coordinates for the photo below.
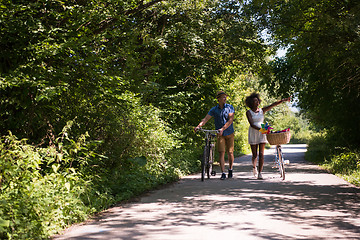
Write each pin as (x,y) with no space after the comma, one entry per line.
(278,138)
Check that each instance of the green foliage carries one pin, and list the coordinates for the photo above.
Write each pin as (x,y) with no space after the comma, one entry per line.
(34,203)
(81,57)
(46,189)
(128,80)
(345,162)
(338,160)
(322,63)
(300,128)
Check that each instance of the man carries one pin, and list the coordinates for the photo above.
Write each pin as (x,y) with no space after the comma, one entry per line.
(223,114)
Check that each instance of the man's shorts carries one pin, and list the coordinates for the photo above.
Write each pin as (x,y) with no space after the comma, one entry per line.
(225,141)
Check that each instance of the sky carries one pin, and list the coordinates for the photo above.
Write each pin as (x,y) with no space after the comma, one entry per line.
(281,52)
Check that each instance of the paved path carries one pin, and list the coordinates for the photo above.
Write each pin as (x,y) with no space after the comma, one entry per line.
(309,204)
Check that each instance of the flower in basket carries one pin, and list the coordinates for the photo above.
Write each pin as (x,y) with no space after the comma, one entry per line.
(265,128)
(285,130)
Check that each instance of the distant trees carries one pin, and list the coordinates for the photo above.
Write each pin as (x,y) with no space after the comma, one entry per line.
(321,63)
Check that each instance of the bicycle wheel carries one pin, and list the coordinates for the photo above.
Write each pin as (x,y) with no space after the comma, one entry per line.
(281,162)
(203,161)
(209,163)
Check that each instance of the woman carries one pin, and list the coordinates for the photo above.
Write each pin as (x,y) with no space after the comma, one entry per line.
(255,116)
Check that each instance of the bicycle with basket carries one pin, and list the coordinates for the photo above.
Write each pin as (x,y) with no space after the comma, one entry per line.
(278,138)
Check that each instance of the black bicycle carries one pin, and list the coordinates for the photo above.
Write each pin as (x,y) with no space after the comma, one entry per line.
(208,157)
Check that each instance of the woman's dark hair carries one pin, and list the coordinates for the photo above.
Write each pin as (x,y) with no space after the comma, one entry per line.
(249,101)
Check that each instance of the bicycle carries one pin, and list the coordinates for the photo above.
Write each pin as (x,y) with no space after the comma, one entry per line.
(279,161)
(278,139)
(207,160)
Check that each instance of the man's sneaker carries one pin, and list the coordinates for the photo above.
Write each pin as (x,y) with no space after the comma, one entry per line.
(260,176)
(230,173)
(223,176)
(255,171)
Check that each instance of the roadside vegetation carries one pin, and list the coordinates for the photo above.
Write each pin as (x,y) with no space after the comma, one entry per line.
(98,99)
(326,150)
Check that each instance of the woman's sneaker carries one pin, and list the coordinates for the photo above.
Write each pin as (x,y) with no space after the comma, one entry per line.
(255,171)
(223,176)
(260,176)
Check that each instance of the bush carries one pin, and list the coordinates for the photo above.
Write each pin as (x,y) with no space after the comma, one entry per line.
(339,160)
(45,189)
(303,136)
(35,203)
(345,162)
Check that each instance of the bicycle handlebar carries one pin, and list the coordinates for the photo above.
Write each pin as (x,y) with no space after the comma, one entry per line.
(208,131)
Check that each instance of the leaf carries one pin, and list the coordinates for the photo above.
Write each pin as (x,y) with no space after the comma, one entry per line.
(4,223)
(139,160)
(67,185)
(55,167)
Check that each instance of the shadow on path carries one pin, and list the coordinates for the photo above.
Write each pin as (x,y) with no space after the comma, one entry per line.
(309,204)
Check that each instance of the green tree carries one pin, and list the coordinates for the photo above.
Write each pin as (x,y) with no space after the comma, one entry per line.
(131,76)
(75,60)
(321,63)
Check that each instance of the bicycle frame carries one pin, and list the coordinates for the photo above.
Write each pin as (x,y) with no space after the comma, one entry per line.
(208,155)
(279,161)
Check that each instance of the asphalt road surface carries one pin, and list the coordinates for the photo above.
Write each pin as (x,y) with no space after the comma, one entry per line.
(309,204)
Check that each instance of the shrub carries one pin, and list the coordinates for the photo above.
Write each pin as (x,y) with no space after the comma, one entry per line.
(342,161)
(43,190)
(35,203)
(345,162)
